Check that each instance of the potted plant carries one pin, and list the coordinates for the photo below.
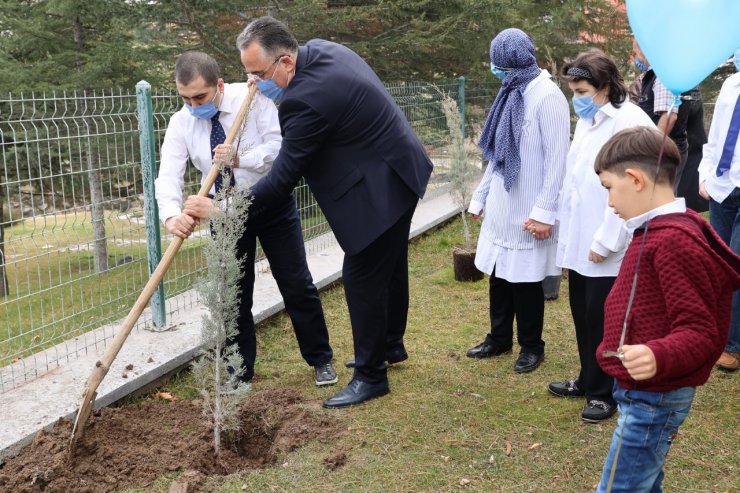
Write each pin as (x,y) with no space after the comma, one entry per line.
(462,177)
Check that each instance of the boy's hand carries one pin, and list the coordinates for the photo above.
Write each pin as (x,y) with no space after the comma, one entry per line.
(639,361)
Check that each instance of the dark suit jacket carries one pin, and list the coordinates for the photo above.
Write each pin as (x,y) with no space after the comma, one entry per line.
(343,132)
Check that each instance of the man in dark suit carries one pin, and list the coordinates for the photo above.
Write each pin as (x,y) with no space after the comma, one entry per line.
(345,135)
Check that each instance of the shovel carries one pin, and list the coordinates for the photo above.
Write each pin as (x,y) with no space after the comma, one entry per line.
(103,365)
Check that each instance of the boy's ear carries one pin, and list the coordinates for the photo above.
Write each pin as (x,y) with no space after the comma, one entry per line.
(637,177)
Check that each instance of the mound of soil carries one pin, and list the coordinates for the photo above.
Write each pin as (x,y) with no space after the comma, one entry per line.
(133,445)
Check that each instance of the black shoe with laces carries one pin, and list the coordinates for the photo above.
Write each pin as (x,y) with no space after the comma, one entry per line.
(568,388)
(357,392)
(325,374)
(597,411)
(486,350)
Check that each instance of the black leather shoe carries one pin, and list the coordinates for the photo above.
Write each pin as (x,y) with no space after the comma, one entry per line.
(569,388)
(597,411)
(357,392)
(485,350)
(391,358)
(527,362)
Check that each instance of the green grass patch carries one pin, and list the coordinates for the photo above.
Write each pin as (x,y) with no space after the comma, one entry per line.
(449,418)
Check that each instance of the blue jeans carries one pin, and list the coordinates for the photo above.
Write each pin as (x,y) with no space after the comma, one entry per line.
(648,423)
(725,219)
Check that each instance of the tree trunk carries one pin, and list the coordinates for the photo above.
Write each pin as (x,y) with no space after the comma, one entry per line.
(100,258)
(96,204)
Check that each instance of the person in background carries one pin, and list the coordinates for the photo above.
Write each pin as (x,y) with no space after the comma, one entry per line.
(366,167)
(663,330)
(692,108)
(696,135)
(719,182)
(197,133)
(525,139)
(658,102)
(592,240)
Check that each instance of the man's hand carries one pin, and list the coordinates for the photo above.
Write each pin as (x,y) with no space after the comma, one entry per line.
(639,361)
(199,207)
(226,153)
(182,225)
(540,231)
(703,190)
(595,257)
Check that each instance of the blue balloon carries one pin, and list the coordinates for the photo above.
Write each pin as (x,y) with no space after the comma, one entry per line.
(685,40)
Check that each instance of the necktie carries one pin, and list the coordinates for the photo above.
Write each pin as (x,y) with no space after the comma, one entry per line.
(730,141)
(218,136)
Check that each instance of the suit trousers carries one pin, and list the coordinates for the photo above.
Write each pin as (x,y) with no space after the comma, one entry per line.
(279,232)
(376,285)
(526,302)
(587,297)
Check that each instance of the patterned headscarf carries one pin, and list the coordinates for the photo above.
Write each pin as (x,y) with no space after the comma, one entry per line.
(512,49)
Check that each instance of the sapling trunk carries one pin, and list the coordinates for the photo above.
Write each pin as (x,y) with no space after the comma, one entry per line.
(461,173)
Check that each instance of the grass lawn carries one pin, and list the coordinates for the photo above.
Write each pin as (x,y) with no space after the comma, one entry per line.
(451,423)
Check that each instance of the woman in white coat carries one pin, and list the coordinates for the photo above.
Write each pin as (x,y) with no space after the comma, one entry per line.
(592,238)
(525,140)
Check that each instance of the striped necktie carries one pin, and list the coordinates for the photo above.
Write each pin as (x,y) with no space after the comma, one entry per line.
(218,136)
(730,141)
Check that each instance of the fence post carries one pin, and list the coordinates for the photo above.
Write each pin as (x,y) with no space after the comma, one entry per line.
(148,171)
(461,103)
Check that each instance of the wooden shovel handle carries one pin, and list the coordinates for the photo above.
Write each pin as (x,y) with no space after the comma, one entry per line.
(103,365)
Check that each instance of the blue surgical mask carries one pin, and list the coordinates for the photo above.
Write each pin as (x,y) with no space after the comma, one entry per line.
(585,106)
(641,66)
(204,111)
(498,72)
(270,89)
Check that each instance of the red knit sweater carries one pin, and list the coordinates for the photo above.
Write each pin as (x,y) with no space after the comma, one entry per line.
(681,309)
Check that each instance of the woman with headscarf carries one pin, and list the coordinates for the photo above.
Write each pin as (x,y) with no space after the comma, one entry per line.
(592,238)
(525,140)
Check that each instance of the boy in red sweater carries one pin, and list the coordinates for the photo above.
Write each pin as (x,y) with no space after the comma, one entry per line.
(663,332)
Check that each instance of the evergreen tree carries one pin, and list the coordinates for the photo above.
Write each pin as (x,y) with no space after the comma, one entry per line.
(219,370)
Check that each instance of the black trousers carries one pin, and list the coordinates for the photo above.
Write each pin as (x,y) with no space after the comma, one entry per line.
(376,285)
(587,297)
(526,302)
(279,233)
(697,137)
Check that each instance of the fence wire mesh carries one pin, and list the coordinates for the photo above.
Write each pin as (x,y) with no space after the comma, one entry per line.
(73,251)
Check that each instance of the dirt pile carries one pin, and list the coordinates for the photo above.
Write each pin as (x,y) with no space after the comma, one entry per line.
(133,445)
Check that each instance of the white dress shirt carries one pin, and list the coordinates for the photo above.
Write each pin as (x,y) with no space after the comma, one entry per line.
(677,205)
(720,187)
(587,223)
(516,254)
(190,137)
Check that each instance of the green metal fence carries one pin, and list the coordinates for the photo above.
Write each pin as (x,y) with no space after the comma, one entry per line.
(75,220)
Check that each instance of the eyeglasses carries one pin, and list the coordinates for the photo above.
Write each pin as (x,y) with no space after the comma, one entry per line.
(256,76)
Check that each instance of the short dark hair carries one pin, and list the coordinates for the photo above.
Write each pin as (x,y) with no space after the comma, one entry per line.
(640,147)
(271,34)
(596,68)
(193,64)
